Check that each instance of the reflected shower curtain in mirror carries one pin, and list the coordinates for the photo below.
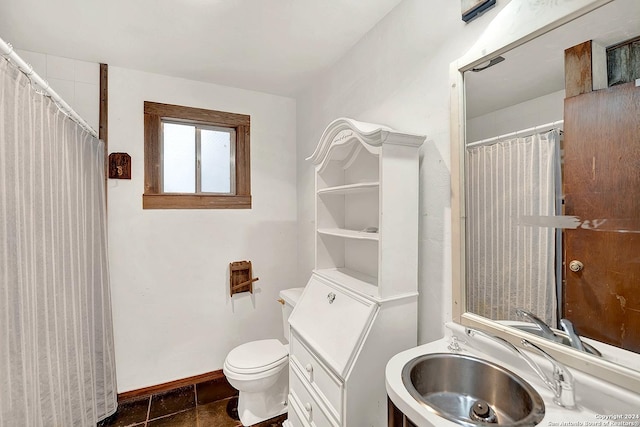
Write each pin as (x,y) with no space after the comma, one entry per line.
(510,263)
(57,364)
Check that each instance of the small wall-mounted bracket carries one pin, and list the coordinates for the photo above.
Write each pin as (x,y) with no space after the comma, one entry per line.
(471,9)
(119,166)
(241,277)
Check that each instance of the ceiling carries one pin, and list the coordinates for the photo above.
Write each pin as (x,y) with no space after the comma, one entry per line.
(536,68)
(273,46)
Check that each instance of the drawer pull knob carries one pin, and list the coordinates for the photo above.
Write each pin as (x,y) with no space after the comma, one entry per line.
(309,367)
(307,407)
(331,297)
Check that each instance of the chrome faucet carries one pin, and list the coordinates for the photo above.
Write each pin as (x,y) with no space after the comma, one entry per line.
(574,338)
(562,383)
(546,330)
(567,327)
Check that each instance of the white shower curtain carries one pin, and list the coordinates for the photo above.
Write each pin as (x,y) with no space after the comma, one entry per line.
(510,262)
(57,364)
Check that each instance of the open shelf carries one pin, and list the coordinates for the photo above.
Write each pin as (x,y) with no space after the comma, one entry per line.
(367,176)
(349,234)
(363,187)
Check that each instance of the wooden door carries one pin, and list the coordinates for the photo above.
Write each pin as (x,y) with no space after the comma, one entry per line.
(602,182)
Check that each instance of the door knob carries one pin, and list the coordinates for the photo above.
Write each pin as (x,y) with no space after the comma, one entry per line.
(576,266)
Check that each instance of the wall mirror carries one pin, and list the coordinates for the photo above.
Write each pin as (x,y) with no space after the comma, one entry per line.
(510,149)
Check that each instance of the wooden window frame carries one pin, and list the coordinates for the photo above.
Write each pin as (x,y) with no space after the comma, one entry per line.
(153,198)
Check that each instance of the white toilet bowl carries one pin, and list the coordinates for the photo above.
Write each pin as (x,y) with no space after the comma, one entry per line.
(259,370)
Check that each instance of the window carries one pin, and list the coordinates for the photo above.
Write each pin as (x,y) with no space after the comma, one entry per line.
(195,158)
(623,62)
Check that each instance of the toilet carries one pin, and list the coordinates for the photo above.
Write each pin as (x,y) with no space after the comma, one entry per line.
(259,370)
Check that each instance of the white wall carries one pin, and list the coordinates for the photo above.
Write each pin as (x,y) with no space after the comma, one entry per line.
(77,82)
(398,75)
(538,111)
(172,314)
(173,317)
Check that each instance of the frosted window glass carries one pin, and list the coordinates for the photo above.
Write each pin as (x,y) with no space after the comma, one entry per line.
(179,153)
(216,157)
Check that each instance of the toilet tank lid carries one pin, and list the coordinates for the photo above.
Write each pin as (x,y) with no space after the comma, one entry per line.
(291,296)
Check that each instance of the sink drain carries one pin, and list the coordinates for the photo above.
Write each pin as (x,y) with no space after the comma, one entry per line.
(481,411)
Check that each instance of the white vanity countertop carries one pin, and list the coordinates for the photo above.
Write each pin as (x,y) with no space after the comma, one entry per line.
(599,402)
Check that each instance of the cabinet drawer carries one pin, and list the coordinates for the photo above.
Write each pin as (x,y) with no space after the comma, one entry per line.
(311,411)
(295,415)
(326,384)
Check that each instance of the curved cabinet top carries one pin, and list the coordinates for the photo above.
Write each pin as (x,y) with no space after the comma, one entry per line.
(344,136)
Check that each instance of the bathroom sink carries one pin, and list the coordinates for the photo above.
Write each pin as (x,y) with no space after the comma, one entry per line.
(559,337)
(471,391)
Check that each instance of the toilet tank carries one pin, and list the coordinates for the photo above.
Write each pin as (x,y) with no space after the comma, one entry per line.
(288,298)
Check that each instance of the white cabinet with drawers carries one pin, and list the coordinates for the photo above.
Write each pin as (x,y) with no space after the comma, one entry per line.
(327,385)
(359,307)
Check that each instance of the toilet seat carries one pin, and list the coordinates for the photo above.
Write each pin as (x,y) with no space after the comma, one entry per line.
(257,357)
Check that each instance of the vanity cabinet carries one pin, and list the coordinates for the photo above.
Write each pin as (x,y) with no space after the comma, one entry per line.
(359,307)
(396,418)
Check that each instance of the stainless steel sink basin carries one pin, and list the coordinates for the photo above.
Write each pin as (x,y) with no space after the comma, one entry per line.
(559,337)
(471,391)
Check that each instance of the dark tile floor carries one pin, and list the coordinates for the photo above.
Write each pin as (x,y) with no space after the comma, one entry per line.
(208,404)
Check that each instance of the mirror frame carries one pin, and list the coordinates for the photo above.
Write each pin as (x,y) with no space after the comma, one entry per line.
(511,28)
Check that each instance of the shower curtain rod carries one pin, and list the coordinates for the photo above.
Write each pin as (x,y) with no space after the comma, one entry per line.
(7,51)
(524,132)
